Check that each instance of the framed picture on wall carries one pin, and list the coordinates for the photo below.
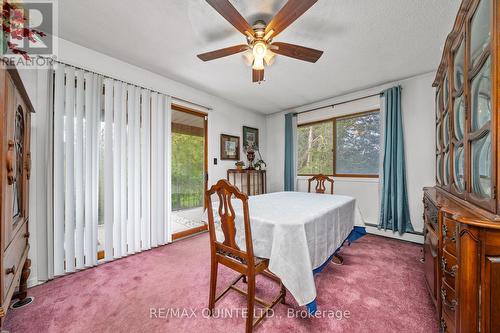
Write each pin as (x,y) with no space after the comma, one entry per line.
(250,137)
(229,147)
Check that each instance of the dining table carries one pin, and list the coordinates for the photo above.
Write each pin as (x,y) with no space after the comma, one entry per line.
(299,233)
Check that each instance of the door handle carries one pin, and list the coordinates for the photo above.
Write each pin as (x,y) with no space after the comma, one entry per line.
(11,270)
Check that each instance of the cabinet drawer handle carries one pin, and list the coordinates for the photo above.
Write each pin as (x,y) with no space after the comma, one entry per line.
(453,238)
(10,163)
(444,268)
(451,304)
(11,270)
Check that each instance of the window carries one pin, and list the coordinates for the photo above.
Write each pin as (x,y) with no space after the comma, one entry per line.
(315,148)
(342,146)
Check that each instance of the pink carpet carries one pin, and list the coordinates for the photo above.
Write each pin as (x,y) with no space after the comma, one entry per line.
(380,287)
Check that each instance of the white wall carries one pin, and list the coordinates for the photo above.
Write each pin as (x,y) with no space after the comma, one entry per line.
(418,123)
(223,118)
(275,144)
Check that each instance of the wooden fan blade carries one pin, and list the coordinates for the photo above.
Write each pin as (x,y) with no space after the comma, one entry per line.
(291,11)
(257,75)
(296,51)
(223,52)
(230,13)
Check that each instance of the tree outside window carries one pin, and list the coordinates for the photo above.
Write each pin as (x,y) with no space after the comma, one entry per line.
(342,146)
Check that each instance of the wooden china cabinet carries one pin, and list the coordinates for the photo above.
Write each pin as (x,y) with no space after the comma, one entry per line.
(462,212)
(15,114)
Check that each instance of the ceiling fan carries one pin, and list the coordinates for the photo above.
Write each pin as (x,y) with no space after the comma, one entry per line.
(260,46)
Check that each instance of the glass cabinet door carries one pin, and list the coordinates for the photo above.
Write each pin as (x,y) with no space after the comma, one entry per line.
(459,120)
(459,167)
(457,150)
(439,169)
(481,127)
(458,145)
(446,169)
(446,144)
(438,136)
(446,133)
(458,69)
(481,97)
(446,88)
(480,31)
(436,105)
(466,163)
(438,120)
(481,166)
(17,186)
(480,77)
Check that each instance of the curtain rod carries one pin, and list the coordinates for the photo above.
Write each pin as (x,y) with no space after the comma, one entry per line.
(344,102)
(178,99)
(339,103)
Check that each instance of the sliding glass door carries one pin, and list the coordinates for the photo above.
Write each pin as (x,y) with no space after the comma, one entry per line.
(189,165)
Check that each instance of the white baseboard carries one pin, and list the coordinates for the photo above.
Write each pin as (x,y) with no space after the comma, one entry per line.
(32,282)
(419,239)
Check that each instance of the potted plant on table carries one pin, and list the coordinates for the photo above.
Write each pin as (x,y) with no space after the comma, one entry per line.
(239,165)
(260,164)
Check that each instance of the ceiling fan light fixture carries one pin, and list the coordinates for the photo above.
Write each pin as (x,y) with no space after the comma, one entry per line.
(258,64)
(269,58)
(259,50)
(248,58)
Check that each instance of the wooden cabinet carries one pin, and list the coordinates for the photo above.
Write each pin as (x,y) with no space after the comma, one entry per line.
(467,276)
(431,248)
(492,281)
(466,103)
(15,164)
(250,182)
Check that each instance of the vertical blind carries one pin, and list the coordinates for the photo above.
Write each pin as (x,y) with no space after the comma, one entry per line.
(111,188)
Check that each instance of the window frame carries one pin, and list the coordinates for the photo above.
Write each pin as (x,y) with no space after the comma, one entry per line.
(333,121)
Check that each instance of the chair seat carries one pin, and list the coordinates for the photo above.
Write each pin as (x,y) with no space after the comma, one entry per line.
(257,260)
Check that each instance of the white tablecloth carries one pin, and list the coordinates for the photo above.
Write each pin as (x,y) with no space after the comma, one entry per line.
(297,232)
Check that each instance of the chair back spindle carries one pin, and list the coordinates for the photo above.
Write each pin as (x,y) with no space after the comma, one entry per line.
(226,193)
(320,183)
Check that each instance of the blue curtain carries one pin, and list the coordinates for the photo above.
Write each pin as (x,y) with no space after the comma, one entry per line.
(290,128)
(394,213)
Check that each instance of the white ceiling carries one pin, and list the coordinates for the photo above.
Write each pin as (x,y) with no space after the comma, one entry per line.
(366,42)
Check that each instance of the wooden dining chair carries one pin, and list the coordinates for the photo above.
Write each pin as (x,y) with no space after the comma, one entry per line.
(321,188)
(320,183)
(229,254)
